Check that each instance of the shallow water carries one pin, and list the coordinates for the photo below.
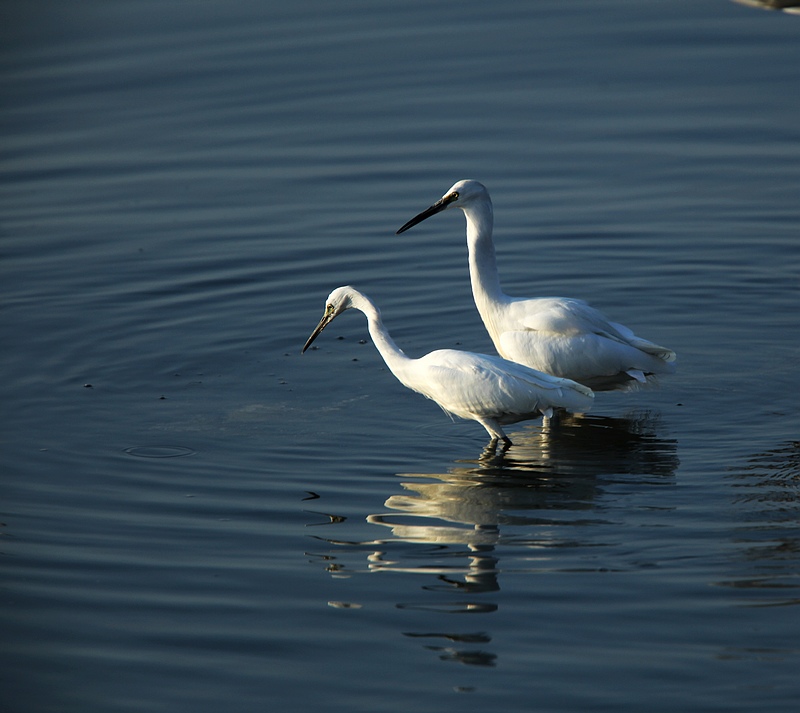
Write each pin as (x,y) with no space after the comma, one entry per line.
(195,517)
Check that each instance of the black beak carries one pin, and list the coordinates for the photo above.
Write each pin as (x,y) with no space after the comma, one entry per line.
(327,318)
(437,207)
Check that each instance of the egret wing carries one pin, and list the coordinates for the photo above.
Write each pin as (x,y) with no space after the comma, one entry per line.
(465,383)
(569,337)
(568,317)
(644,344)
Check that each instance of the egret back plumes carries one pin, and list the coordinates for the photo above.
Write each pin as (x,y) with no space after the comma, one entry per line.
(557,335)
(487,389)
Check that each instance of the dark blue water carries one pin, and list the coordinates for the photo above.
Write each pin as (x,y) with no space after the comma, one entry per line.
(196,518)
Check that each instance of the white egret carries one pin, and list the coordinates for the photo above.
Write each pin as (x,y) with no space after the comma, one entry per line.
(557,335)
(487,389)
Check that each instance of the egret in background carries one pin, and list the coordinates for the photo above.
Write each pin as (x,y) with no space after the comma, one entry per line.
(557,335)
(487,389)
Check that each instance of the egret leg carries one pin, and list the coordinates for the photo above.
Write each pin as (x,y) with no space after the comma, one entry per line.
(493,456)
(551,419)
(495,431)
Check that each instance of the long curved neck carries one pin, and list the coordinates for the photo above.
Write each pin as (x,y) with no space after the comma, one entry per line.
(394,357)
(482,260)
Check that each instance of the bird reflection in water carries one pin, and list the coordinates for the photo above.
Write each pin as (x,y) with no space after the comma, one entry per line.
(470,656)
(516,505)
(592,447)
(558,468)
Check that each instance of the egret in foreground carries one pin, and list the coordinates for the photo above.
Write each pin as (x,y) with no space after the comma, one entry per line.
(557,335)
(487,389)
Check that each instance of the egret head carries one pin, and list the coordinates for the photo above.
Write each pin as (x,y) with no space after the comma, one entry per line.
(338,301)
(461,195)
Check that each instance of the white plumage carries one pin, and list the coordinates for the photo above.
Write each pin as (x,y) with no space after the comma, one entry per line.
(557,335)
(487,389)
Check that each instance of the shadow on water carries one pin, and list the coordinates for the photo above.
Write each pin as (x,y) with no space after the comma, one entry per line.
(767,533)
(588,446)
(558,469)
(534,508)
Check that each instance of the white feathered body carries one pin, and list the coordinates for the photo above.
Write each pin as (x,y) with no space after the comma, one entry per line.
(479,387)
(473,386)
(557,335)
(567,337)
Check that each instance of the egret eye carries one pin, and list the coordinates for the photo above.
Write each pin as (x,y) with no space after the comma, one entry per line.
(454,196)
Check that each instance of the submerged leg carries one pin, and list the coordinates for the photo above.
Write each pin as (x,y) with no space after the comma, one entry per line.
(491,455)
(489,450)
(552,418)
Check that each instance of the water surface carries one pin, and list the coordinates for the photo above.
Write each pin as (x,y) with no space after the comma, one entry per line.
(197,518)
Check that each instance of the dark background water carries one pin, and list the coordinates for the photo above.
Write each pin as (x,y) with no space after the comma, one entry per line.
(197,518)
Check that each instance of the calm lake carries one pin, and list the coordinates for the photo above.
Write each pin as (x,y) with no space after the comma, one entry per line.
(196,518)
